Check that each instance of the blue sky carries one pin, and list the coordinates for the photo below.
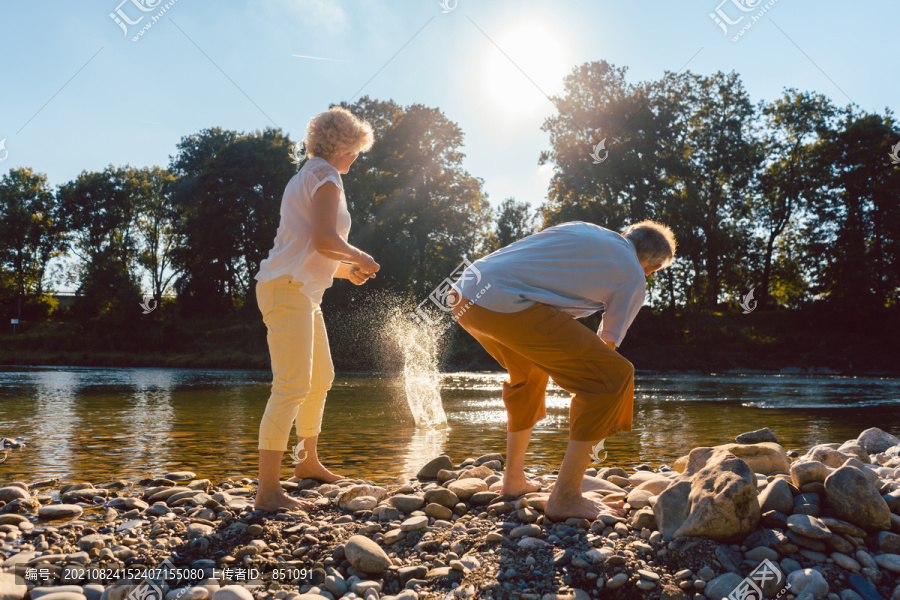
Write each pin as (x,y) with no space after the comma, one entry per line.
(78,94)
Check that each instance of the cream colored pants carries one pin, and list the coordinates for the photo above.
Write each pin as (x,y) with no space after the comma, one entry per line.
(302,371)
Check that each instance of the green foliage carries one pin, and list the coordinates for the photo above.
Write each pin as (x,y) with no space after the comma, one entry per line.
(30,235)
(227,201)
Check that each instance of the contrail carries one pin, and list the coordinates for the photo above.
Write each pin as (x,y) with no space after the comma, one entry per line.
(317,58)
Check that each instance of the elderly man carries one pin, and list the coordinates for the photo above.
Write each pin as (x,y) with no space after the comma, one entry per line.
(535,289)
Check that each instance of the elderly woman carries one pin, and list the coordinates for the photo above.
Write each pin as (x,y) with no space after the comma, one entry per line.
(310,250)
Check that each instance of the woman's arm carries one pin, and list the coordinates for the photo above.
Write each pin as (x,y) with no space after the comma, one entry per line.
(325,237)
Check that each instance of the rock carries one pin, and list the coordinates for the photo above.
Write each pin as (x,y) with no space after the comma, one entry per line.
(864,587)
(442,496)
(826,455)
(672,508)
(643,519)
(755,437)
(842,527)
(357,491)
(362,503)
(591,484)
(488,458)
(722,501)
(335,585)
(438,512)
(532,543)
(889,543)
(466,488)
(482,472)
(59,511)
(854,448)
(809,471)
(64,595)
(430,470)
(616,581)
(762,458)
(777,496)
(855,499)
(722,586)
(12,492)
(181,476)
(638,498)
(891,562)
(761,553)
(232,592)
(127,503)
(407,503)
(9,589)
(526,530)
(89,542)
(414,524)
(366,555)
(808,581)
(808,526)
(875,440)
(845,562)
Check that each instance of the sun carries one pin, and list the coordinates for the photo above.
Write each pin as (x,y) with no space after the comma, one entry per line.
(528,61)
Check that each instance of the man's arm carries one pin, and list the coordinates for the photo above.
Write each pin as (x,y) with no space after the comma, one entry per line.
(621,309)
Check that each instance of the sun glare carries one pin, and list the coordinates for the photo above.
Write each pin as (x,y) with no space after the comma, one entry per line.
(533,56)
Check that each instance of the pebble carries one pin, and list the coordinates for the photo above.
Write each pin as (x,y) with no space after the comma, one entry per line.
(616,581)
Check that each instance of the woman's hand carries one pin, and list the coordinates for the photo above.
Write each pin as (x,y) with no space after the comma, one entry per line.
(366,265)
(357,277)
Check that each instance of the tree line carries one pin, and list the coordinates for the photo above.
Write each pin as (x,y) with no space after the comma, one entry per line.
(796,198)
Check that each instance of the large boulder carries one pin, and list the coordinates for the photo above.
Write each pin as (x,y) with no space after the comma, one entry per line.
(856,499)
(875,440)
(721,502)
(764,457)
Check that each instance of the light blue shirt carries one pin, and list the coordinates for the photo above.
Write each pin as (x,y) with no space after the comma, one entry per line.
(576,267)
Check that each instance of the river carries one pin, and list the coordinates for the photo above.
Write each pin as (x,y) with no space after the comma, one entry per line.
(97,425)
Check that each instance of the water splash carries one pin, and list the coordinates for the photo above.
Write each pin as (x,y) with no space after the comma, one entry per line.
(421,377)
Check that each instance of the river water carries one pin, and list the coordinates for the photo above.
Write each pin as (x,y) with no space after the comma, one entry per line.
(97,425)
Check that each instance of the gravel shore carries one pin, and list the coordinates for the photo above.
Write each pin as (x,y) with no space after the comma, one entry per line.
(822,525)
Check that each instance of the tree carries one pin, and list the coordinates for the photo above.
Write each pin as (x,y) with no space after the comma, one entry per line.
(98,212)
(228,201)
(854,232)
(150,189)
(792,126)
(414,207)
(514,220)
(30,233)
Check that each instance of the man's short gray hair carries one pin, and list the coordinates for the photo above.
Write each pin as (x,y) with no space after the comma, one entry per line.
(654,242)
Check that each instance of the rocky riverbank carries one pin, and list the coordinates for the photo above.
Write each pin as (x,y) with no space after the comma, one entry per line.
(825,525)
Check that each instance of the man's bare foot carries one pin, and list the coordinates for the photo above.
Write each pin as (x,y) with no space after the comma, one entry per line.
(315,471)
(518,486)
(560,508)
(275,501)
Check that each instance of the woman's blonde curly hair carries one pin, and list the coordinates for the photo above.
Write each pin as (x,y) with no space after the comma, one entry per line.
(333,132)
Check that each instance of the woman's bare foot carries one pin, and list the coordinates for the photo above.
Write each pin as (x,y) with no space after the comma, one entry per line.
(516,486)
(560,508)
(276,500)
(315,470)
